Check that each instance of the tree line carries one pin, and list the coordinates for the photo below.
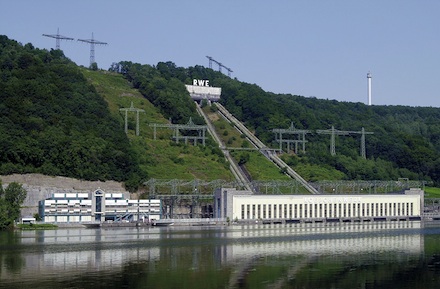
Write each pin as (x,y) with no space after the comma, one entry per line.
(405,143)
(52,121)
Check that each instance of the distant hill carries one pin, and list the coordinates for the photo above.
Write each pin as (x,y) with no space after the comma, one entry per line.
(405,143)
(59,119)
(53,122)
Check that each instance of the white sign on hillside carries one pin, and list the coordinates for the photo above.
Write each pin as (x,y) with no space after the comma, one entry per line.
(201,90)
(200,82)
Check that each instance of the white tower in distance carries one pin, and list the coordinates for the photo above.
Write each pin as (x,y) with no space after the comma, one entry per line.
(369,87)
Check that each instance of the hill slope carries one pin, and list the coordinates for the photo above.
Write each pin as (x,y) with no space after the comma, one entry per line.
(405,143)
(53,122)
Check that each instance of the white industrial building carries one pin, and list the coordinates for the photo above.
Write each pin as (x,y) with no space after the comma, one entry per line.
(97,207)
(211,94)
(245,206)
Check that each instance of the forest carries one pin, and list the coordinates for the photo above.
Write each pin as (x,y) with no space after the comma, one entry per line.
(53,122)
(405,141)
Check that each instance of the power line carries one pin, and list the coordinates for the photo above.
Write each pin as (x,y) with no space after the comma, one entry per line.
(58,38)
(92,43)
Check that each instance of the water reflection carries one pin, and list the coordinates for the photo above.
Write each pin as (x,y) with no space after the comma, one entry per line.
(236,256)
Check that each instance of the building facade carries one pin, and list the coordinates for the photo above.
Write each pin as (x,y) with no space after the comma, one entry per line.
(97,206)
(244,206)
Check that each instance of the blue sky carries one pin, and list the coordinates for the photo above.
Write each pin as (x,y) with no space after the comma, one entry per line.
(315,48)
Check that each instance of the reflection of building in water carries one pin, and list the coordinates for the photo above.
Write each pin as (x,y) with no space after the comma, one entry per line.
(66,252)
(97,206)
(69,251)
(327,239)
(242,206)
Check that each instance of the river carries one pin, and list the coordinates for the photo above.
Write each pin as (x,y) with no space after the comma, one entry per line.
(321,255)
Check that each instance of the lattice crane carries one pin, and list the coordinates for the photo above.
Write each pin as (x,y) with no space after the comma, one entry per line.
(220,65)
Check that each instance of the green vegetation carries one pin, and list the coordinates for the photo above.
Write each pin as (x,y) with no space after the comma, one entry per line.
(431,192)
(53,122)
(59,119)
(405,143)
(37,226)
(11,199)
(160,158)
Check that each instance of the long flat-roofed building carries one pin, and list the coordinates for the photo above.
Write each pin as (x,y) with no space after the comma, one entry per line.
(97,206)
(245,206)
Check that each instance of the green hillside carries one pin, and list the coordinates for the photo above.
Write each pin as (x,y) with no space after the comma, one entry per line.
(55,123)
(161,158)
(405,142)
(60,119)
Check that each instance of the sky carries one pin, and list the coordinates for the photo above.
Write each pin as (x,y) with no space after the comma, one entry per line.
(313,48)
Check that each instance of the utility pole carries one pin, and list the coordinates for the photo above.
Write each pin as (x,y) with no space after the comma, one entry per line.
(301,137)
(58,38)
(92,43)
(137,110)
(333,132)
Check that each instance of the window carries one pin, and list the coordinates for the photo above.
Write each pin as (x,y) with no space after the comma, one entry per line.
(264,211)
(242,211)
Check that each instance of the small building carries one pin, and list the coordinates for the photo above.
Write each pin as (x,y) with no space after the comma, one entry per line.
(199,93)
(97,207)
(245,206)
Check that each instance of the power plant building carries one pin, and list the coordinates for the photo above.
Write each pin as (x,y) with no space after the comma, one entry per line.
(97,207)
(245,206)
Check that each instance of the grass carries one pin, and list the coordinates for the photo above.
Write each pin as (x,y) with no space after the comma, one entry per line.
(36,226)
(432,192)
(159,157)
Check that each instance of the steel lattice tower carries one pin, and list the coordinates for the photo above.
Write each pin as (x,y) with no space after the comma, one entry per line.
(58,38)
(92,43)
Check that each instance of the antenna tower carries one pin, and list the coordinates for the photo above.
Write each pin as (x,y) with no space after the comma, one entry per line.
(220,65)
(92,43)
(58,38)
(369,87)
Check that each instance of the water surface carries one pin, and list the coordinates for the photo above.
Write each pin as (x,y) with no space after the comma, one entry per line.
(332,255)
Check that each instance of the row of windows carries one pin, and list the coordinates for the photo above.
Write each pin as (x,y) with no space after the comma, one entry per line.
(298,211)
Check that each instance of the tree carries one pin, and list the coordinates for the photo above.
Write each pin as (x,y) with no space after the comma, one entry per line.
(11,199)
(94,66)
